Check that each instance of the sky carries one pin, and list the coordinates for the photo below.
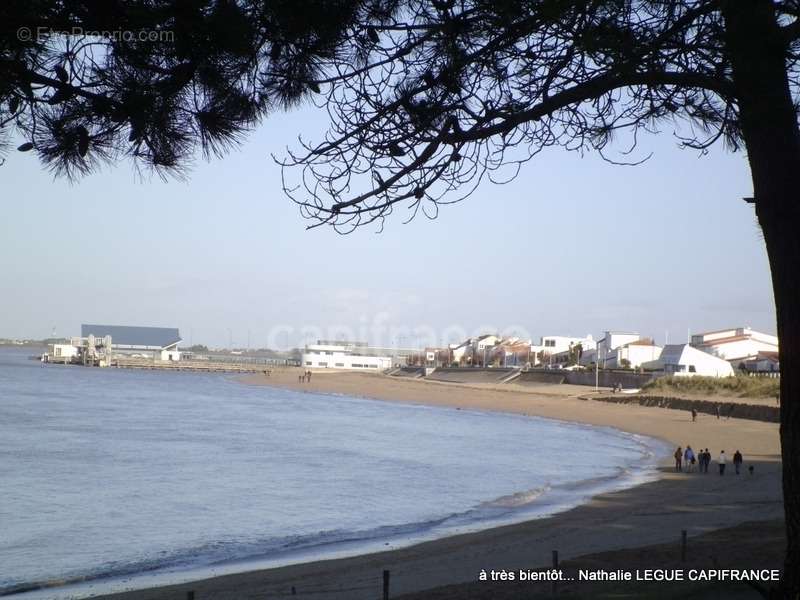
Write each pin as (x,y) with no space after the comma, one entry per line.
(573,246)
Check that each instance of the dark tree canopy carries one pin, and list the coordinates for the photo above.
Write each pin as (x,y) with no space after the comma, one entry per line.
(88,81)
(426,98)
(425,104)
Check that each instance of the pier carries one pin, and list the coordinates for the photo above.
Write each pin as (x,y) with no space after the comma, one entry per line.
(189,365)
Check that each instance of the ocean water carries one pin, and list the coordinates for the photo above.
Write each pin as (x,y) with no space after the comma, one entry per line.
(117,476)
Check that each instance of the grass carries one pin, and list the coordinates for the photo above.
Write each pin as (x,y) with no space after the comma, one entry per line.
(737,386)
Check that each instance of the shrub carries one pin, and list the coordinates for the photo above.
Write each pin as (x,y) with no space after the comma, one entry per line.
(739,386)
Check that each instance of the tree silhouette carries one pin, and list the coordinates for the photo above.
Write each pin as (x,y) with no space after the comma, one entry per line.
(92,81)
(427,98)
(426,104)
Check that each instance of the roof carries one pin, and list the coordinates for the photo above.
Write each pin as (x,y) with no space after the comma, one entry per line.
(122,335)
(642,342)
(672,352)
(704,333)
(725,340)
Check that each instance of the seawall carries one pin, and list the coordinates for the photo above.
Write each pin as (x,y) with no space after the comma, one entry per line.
(737,410)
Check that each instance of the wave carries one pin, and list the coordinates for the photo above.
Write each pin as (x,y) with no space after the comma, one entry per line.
(517,499)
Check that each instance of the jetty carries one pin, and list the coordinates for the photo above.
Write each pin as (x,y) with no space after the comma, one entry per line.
(189,365)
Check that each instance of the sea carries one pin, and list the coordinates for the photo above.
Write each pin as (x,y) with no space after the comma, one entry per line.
(113,479)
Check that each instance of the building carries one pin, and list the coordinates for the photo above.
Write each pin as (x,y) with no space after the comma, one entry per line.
(461,354)
(632,355)
(737,345)
(513,353)
(764,362)
(156,343)
(61,353)
(482,347)
(606,347)
(685,360)
(345,355)
(556,348)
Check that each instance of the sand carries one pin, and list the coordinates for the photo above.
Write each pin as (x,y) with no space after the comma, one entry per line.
(652,513)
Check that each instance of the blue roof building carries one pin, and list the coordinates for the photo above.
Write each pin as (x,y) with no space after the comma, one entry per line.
(135,338)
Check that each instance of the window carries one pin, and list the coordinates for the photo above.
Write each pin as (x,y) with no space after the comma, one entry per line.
(323,364)
(308,363)
(550,343)
(339,364)
(692,369)
(354,365)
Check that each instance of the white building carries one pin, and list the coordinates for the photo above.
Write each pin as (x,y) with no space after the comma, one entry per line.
(461,353)
(61,352)
(554,348)
(684,360)
(157,343)
(632,354)
(735,345)
(606,347)
(484,342)
(344,355)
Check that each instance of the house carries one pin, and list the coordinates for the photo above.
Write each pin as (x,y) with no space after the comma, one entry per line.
(512,352)
(344,355)
(482,342)
(737,345)
(556,348)
(157,343)
(764,362)
(610,341)
(461,354)
(685,360)
(482,346)
(632,354)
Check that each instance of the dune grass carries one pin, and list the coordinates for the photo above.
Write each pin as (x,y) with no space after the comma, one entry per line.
(738,386)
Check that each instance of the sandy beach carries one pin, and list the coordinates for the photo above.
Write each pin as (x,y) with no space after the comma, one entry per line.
(650,514)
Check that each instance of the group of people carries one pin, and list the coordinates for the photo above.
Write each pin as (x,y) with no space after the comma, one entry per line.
(304,377)
(702,459)
(716,411)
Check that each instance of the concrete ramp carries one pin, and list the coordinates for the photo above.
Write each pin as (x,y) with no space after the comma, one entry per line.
(408,372)
(472,375)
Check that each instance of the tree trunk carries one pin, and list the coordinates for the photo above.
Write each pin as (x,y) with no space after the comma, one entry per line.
(769,127)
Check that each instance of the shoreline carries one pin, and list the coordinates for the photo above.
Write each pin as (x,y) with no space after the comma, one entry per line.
(647,513)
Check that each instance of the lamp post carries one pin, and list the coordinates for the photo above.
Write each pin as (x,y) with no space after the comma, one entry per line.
(596,371)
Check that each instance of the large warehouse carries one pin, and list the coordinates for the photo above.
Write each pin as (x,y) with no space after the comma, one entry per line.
(159,343)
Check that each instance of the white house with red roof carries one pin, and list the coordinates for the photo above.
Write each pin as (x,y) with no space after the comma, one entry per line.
(738,345)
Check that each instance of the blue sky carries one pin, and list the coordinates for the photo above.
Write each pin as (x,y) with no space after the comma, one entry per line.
(573,246)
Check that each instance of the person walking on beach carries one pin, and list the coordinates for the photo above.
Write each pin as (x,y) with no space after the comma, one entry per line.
(737,461)
(721,462)
(688,458)
(692,458)
(678,457)
(717,409)
(706,459)
(308,376)
(694,415)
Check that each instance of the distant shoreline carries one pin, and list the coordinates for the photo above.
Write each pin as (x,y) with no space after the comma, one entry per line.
(651,513)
